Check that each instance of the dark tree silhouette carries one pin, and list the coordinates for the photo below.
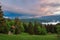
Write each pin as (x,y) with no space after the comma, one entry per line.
(58,31)
(3,26)
(30,28)
(51,28)
(17,26)
(36,28)
(25,27)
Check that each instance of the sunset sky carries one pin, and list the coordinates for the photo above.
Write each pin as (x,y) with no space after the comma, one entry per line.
(31,8)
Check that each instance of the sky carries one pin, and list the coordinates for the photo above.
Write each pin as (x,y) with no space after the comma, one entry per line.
(31,8)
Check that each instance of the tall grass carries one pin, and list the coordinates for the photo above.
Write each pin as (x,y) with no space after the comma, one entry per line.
(27,37)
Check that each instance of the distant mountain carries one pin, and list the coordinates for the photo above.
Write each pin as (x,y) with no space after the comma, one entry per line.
(44,18)
(27,19)
(33,20)
(51,18)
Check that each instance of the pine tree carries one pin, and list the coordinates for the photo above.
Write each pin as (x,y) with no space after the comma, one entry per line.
(30,28)
(3,26)
(37,28)
(43,30)
(58,30)
(25,27)
(17,25)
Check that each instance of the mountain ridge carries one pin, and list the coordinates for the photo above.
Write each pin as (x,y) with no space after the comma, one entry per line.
(44,18)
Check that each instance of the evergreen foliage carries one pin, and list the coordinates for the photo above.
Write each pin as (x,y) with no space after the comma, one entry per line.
(58,28)
(3,25)
(30,28)
(17,26)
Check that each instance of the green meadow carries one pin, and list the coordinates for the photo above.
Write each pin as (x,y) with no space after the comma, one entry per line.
(25,36)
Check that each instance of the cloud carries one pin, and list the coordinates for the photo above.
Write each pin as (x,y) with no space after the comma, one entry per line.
(35,7)
(5,17)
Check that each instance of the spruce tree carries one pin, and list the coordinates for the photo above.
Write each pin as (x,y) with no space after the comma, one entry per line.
(17,25)
(25,27)
(30,28)
(3,26)
(58,30)
(37,28)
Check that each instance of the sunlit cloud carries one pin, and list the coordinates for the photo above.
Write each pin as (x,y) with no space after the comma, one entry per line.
(35,7)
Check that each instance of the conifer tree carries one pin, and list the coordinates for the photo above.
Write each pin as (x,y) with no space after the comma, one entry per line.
(30,28)
(37,28)
(58,30)
(18,26)
(25,27)
(3,26)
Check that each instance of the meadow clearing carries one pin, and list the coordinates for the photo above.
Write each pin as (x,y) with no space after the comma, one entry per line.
(25,36)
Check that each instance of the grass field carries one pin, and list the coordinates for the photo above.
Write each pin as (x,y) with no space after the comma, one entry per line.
(28,37)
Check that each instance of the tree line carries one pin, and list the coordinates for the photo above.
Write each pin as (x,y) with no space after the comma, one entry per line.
(16,26)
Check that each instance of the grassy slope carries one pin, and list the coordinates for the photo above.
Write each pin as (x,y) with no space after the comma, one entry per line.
(27,37)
